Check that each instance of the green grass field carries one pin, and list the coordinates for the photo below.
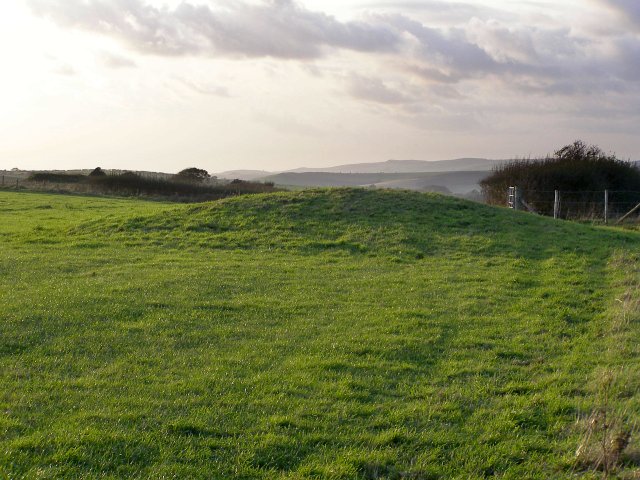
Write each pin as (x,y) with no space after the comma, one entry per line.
(335,334)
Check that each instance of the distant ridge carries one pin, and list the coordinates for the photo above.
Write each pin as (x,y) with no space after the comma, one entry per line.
(244,174)
(390,166)
(410,166)
(457,182)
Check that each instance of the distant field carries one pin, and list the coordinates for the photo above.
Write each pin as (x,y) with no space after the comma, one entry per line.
(341,334)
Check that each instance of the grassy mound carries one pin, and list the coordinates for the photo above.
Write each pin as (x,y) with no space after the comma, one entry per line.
(343,334)
(401,224)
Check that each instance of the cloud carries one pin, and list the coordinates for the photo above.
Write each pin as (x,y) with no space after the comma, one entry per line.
(65,70)
(288,125)
(438,120)
(374,90)
(112,60)
(446,91)
(442,11)
(206,89)
(275,28)
(542,59)
(630,9)
(628,65)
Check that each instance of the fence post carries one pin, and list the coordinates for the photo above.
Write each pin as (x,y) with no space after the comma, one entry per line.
(556,205)
(606,207)
(3,180)
(628,214)
(17,182)
(516,198)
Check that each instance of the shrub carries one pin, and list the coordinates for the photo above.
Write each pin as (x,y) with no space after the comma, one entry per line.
(51,177)
(98,172)
(133,184)
(193,175)
(582,171)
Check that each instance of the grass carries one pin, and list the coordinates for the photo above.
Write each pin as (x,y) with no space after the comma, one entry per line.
(318,334)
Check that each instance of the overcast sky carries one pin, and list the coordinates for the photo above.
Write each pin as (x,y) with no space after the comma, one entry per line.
(277,84)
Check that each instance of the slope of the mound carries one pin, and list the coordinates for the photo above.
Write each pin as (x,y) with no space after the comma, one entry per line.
(397,223)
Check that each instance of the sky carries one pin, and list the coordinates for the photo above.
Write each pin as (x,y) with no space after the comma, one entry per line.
(163,85)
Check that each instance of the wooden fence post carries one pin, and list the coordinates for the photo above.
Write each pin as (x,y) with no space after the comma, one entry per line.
(628,214)
(556,205)
(606,207)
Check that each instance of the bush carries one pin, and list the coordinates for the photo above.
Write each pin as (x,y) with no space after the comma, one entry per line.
(98,172)
(134,184)
(50,177)
(131,183)
(193,175)
(579,170)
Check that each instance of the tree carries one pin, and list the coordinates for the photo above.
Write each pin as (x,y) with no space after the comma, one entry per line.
(580,151)
(193,174)
(97,172)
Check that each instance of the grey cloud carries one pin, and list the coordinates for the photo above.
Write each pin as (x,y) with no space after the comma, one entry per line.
(571,87)
(404,99)
(525,44)
(443,10)
(628,64)
(276,28)
(446,91)
(455,54)
(374,90)
(312,69)
(273,28)
(546,61)
(450,48)
(629,8)
(431,74)
(542,60)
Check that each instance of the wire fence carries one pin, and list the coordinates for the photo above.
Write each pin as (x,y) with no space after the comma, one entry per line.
(596,205)
(9,181)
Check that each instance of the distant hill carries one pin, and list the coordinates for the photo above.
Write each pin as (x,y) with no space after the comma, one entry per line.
(406,166)
(454,182)
(244,174)
(459,176)
(390,166)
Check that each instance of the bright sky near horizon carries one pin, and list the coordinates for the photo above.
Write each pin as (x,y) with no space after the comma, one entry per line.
(277,84)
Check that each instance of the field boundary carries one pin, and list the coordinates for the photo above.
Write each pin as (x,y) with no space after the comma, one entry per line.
(596,205)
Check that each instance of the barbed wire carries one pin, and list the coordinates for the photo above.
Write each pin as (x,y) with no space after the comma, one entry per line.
(525,190)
